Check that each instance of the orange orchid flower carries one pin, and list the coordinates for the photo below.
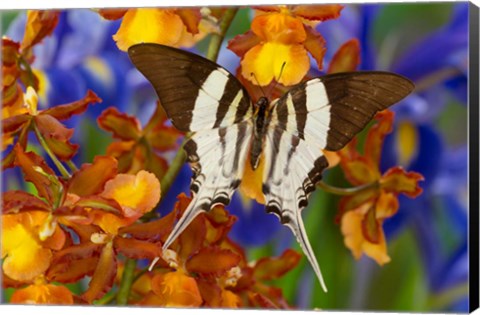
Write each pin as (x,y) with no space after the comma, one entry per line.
(47,121)
(363,213)
(95,202)
(252,288)
(26,235)
(135,195)
(177,27)
(277,46)
(16,60)
(42,292)
(33,225)
(139,148)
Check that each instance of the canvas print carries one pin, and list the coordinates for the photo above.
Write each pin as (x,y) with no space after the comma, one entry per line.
(266,157)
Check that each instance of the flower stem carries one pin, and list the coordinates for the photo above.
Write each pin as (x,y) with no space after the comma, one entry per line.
(45,146)
(127,281)
(106,299)
(173,170)
(217,38)
(72,166)
(347,191)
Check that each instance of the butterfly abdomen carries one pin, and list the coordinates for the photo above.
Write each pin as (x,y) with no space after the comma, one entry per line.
(260,128)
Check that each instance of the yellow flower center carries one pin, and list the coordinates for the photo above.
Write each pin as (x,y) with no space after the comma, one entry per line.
(31,100)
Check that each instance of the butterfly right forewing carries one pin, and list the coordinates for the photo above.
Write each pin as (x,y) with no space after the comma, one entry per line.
(321,114)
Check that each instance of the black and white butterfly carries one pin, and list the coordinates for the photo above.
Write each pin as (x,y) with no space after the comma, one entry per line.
(324,113)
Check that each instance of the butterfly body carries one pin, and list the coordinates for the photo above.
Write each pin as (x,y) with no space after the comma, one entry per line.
(261,120)
(289,134)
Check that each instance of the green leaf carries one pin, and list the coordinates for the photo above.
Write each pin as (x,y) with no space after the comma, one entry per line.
(6,18)
(95,140)
(240,24)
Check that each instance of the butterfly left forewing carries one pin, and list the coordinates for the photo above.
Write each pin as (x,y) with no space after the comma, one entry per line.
(196,93)
(321,114)
(203,98)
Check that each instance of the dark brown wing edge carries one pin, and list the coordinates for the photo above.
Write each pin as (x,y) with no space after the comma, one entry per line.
(356,97)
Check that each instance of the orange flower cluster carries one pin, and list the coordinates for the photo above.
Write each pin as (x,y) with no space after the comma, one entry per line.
(138,148)
(204,267)
(16,70)
(277,46)
(363,213)
(36,226)
(16,59)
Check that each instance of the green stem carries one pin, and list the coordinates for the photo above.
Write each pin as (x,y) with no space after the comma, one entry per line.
(347,191)
(72,166)
(217,38)
(173,170)
(45,146)
(106,299)
(141,273)
(127,281)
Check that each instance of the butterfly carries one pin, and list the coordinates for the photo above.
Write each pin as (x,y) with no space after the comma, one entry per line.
(226,127)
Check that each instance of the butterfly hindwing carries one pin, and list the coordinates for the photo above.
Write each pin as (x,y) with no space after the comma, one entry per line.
(217,159)
(320,114)
(197,94)
(292,168)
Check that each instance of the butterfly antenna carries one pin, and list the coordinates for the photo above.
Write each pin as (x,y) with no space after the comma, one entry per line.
(258,83)
(279,77)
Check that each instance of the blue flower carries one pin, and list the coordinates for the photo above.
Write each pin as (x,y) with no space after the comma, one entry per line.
(255,227)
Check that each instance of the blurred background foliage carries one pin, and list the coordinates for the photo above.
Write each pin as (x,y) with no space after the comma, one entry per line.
(427,239)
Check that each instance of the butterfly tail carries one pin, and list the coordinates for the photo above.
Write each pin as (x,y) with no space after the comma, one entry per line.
(192,211)
(296,225)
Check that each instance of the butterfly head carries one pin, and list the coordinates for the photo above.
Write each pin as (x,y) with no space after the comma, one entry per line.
(261,105)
